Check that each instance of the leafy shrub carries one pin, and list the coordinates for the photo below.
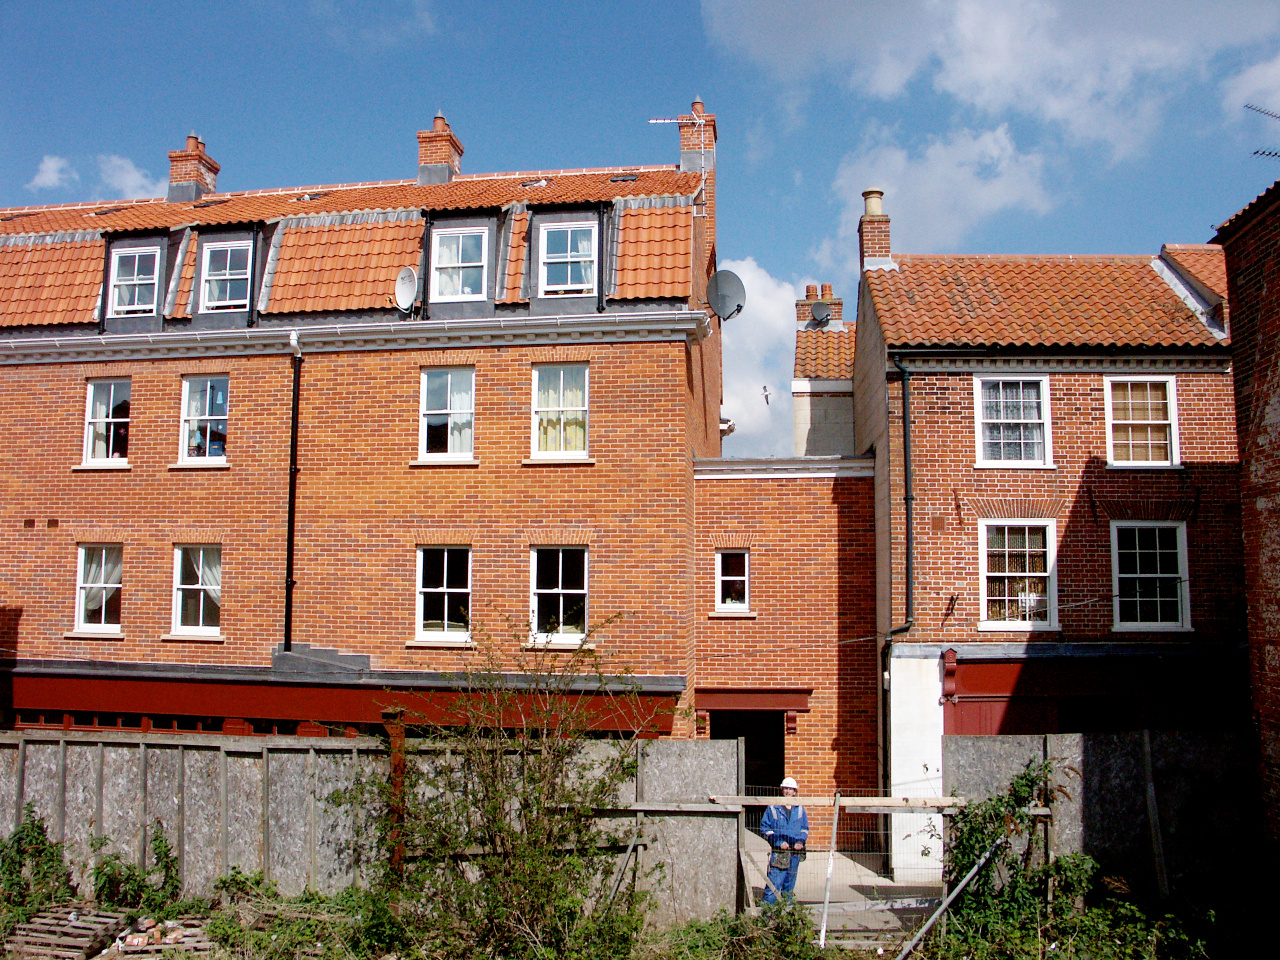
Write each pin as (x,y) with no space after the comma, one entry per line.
(157,889)
(33,874)
(782,931)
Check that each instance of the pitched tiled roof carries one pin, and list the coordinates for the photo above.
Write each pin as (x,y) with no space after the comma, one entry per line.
(1046,301)
(48,282)
(342,267)
(1204,261)
(655,253)
(824,354)
(1245,216)
(324,261)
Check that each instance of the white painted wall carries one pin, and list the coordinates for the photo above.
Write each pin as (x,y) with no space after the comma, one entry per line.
(915,765)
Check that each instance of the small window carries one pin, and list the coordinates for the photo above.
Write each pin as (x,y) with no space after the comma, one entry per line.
(568,266)
(1013,422)
(226,276)
(1142,422)
(1149,575)
(458,264)
(733,581)
(204,419)
(99,587)
(133,281)
(447,412)
(559,594)
(1018,582)
(560,410)
(444,594)
(106,422)
(197,590)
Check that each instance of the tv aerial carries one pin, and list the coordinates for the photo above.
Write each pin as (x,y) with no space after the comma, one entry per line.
(406,289)
(1266,113)
(725,294)
(820,310)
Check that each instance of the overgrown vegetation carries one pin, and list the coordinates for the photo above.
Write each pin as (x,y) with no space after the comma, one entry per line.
(781,931)
(1018,906)
(155,890)
(33,873)
(486,842)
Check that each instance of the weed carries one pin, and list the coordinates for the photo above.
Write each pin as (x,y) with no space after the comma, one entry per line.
(33,874)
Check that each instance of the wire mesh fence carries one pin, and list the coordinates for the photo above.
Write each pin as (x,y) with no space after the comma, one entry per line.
(877,882)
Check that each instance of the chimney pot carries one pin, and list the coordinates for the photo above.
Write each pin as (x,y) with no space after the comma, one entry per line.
(826,291)
(698,107)
(440,123)
(193,142)
(811,292)
(873,200)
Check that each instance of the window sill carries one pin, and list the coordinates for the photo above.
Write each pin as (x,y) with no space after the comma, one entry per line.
(732,615)
(445,462)
(1144,466)
(93,635)
(193,637)
(1015,626)
(559,461)
(95,465)
(998,465)
(215,465)
(1151,628)
(564,646)
(441,644)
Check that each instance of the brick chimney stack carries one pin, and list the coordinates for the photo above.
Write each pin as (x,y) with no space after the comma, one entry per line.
(439,153)
(873,233)
(804,309)
(192,172)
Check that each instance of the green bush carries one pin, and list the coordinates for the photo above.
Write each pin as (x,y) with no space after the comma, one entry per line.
(782,931)
(33,874)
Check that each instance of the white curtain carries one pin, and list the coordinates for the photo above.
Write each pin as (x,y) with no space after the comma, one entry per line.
(211,572)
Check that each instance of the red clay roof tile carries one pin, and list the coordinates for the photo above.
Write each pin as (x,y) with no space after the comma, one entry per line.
(342,267)
(49,283)
(824,354)
(1206,262)
(1058,301)
(655,253)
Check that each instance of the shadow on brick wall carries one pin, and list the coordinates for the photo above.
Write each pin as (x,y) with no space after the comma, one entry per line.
(9,619)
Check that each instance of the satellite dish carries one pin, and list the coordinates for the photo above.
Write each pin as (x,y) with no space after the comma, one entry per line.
(821,311)
(406,289)
(726,294)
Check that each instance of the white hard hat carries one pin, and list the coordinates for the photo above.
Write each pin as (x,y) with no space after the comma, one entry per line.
(790,782)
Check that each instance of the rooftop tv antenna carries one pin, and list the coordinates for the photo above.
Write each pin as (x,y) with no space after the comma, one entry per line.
(820,310)
(406,289)
(1275,155)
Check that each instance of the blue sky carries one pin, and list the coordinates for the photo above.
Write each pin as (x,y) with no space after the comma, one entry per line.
(994,126)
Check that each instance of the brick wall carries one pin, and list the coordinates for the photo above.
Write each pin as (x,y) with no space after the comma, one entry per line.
(812,547)
(1253,272)
(1081,493)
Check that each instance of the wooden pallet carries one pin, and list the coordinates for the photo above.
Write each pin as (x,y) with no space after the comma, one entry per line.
(53,934)
(194,940)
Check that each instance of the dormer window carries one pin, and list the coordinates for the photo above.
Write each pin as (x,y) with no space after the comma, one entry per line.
(568,267)
(226,276)
(133,281)
(459,261)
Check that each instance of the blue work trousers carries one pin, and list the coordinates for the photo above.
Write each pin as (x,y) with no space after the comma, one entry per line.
(784,880)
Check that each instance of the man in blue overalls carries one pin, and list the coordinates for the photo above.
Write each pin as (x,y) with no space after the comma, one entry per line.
(786,827)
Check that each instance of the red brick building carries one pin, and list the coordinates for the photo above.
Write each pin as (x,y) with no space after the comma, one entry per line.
(1056,507)
(1251,240)
(253,494)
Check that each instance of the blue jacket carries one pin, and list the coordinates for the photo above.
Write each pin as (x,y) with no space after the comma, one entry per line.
(780,825)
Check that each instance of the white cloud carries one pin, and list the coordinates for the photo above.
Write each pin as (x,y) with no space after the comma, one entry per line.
(759,352)
(52,173)
(387,26)
(1101,70)
(1259,85)
(937,196)
(121,179)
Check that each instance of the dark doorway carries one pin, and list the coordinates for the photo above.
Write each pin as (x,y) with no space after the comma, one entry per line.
(763,734)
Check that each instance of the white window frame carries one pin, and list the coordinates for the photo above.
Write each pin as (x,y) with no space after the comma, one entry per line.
(226,305)
(108,421)
(184,455)
(1184,582)
(116,256)
(445,635)
(546,289)
(82,588)
(725,606)
(196,630)
(559,638)
(1046,419)
(1171,385)
(447,411)
(540,370)
(1051,597)
(436,266)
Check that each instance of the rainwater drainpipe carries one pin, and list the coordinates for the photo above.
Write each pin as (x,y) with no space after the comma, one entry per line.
(106,287)
(293,492)
(252,320)
(602,218)
(908,503)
